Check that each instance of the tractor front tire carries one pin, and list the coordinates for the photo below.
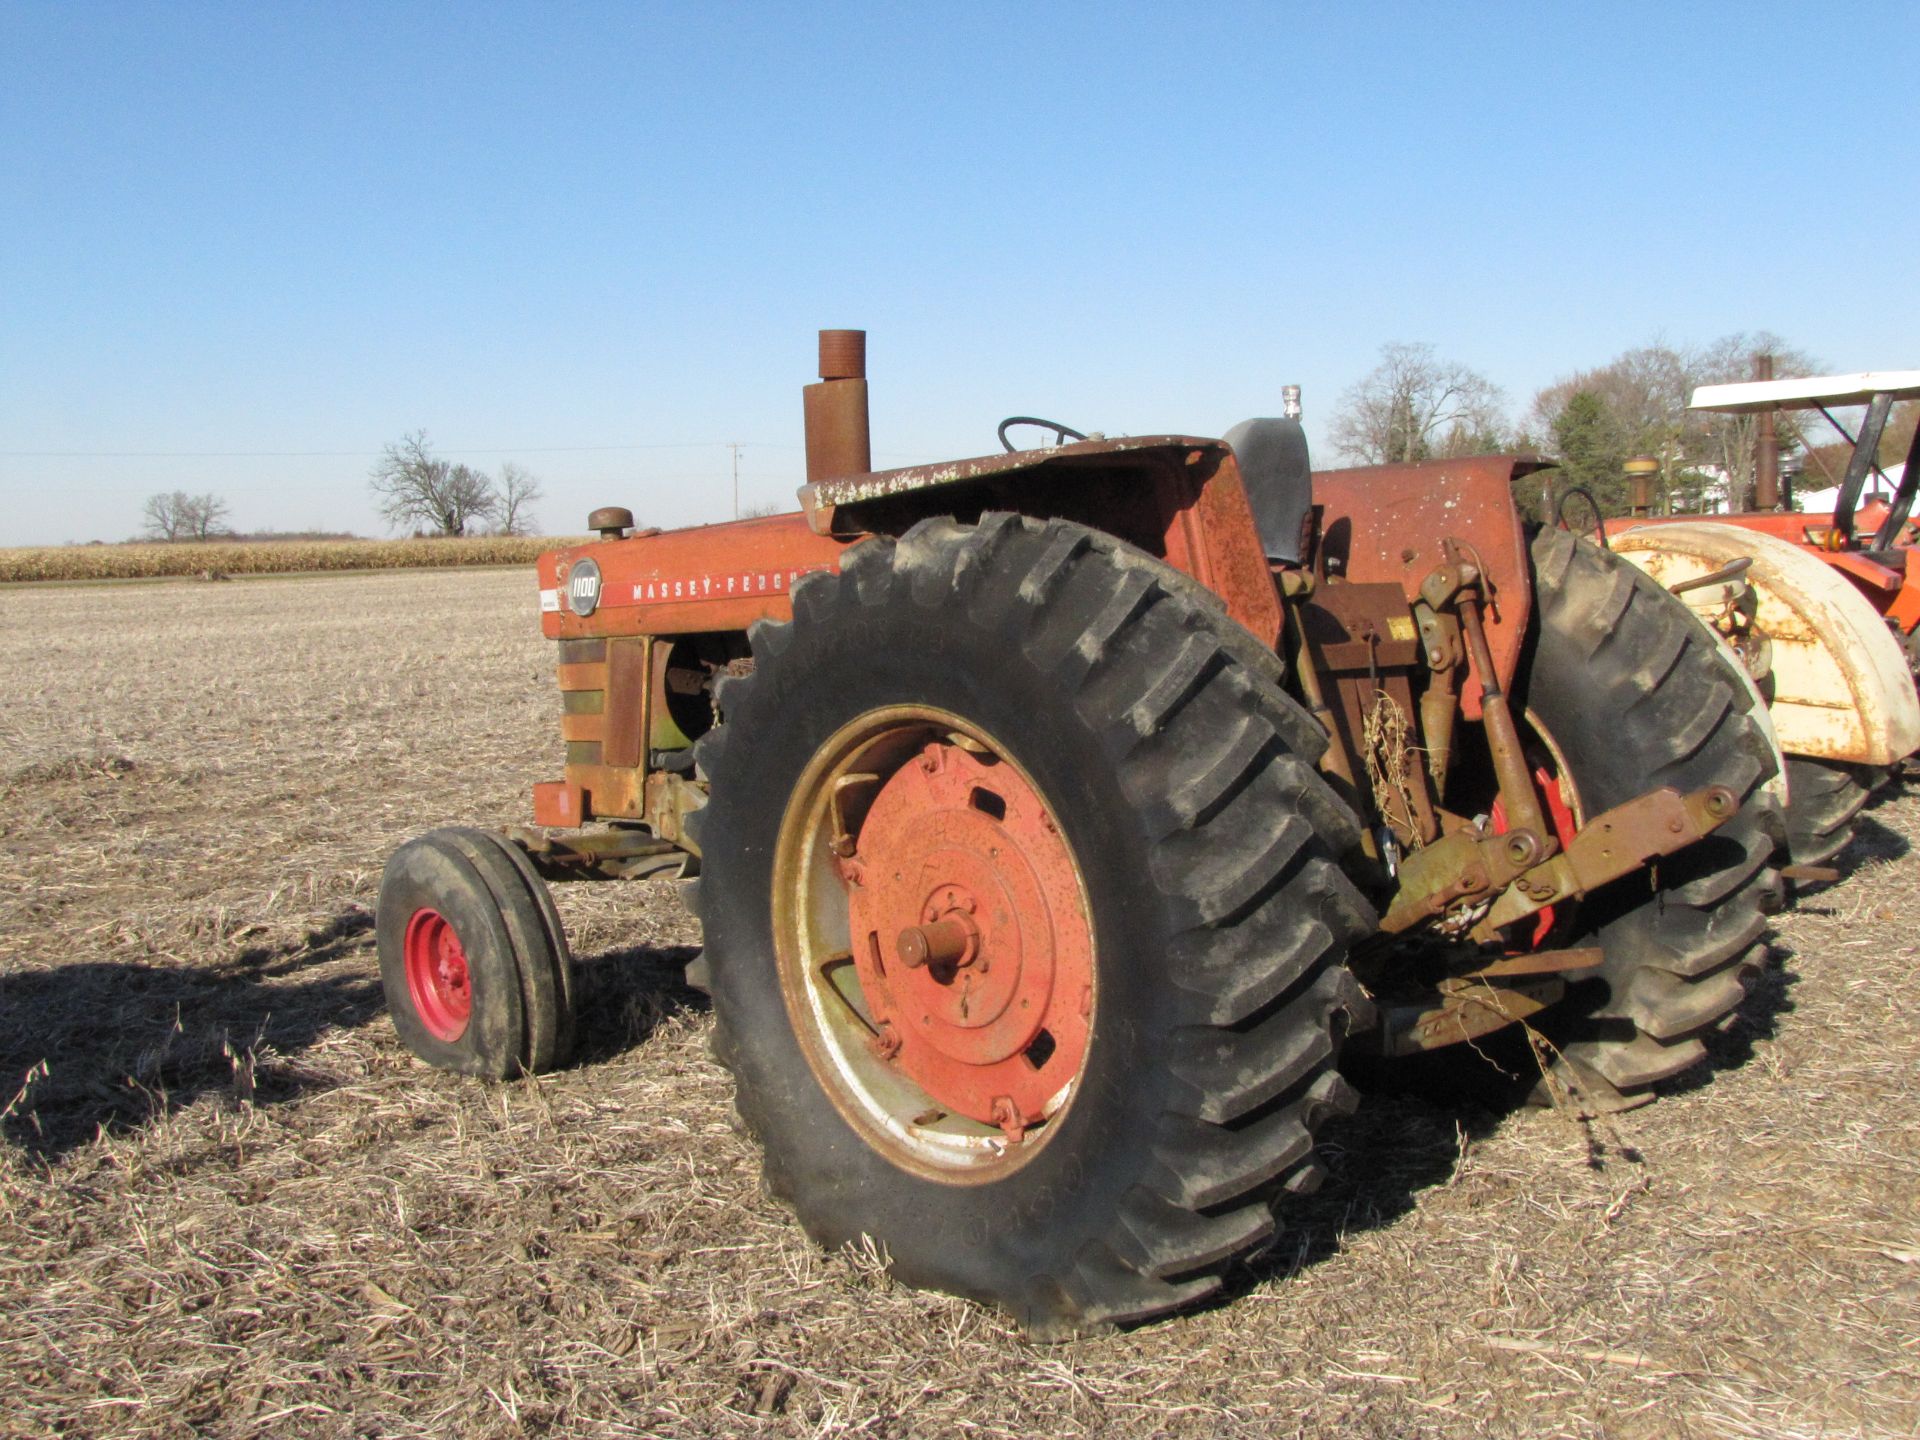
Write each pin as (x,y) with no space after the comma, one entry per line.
(475,966)
(1632,692)
(1025,929)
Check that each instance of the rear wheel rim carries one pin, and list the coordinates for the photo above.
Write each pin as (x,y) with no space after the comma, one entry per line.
(438,979)
(933,938)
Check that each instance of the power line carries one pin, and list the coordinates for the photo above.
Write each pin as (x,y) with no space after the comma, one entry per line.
(367,454)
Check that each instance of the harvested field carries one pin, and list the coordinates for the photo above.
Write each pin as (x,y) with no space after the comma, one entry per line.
(226,558)
(231,1205)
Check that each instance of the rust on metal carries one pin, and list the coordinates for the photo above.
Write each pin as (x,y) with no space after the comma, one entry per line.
(1179,498)
(1469,866)
(611,522)
(623,741)
(669,799)
(825,500)
(1528,823)
(622,854)
(1387,522)
(704,579)
(1838,685)
(1766,447)
(1339,758)
(1465,1010)
(1640,472)
(952,941)
(1361,639)
(590,677)
(591,726)
(1541,962)
(837,434)
(1614,843)
(969,937)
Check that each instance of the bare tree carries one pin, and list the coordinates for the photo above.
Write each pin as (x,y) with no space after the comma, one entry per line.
(1414,405)
(1643,396)
(177,515)
(413,486)
(515,491)
(1727,440)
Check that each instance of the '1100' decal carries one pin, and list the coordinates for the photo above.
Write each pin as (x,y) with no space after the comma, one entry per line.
(722,587)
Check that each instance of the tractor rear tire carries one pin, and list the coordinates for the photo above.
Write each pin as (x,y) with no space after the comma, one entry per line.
(1631,692)
(1037,725)
(1823,801)
(472,960)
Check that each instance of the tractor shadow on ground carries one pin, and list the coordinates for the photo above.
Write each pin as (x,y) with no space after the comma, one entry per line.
(1872,843)
(1417,1115)
(1378,1160)
(1769,996)
(116,1044)
(622,996)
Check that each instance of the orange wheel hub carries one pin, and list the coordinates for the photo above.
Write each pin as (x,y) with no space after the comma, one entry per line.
(972,943)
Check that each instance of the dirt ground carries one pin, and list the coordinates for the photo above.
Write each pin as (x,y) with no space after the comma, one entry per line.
(230,1204)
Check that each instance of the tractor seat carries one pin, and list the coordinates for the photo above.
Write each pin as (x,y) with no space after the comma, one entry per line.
(1273,460)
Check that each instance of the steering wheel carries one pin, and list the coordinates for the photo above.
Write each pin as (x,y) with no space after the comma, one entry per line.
(1064,432)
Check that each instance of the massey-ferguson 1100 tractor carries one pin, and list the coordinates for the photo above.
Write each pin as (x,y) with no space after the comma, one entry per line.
(1055,817)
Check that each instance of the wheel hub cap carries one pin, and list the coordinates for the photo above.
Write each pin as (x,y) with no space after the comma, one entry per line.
(973,950)
(437,979)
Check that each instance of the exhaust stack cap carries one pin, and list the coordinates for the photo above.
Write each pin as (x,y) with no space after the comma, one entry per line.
(611,521)
(843,354)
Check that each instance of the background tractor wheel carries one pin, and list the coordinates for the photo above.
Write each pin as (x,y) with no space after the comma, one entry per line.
(1026,937)
(472,959)
(1630,691)
(1823,800)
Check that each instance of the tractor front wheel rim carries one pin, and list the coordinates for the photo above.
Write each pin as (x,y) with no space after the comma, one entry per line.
(438,980)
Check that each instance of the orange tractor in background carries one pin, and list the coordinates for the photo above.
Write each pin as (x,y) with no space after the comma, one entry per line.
(1055,817)
(1825,616)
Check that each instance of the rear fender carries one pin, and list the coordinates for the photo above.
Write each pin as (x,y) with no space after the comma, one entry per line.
(1387,522)
(1839,688)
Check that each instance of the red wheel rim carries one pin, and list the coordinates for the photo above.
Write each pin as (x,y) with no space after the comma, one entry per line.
(438,981)
(969,938)
(935,946)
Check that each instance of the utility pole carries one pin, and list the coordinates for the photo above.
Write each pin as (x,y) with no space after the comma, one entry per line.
(734,446)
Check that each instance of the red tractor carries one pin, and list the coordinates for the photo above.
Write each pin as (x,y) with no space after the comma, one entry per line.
(1055,817)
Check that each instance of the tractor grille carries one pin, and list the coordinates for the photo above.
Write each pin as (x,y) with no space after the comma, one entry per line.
(583,698)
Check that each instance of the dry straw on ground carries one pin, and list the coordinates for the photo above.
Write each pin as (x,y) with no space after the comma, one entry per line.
(230,1205)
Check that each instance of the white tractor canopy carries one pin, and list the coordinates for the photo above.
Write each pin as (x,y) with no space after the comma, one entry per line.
(1807,392)
(1878,390)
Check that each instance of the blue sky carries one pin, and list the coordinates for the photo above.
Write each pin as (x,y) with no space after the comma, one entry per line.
(242,247)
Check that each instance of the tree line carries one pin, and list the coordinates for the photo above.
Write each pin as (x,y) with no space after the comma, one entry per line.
(1418,405)
(413,489)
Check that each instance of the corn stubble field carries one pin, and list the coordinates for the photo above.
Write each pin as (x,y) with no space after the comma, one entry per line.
(227,558)
(231,1205)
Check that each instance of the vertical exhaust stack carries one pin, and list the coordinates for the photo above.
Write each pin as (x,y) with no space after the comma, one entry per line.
(1766,447)
(838,442)
(1640,472)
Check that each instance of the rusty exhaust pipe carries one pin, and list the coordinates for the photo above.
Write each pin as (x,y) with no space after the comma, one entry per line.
(838,442)
(1640,472)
